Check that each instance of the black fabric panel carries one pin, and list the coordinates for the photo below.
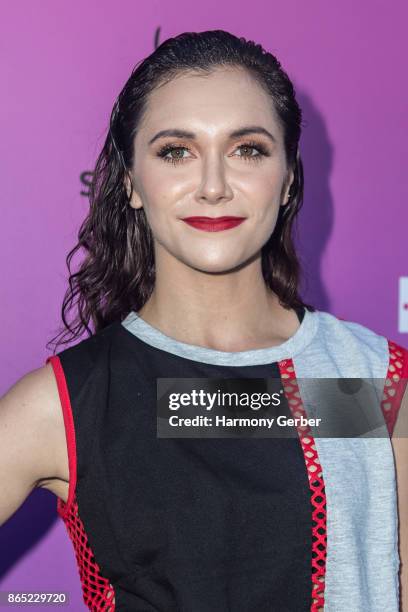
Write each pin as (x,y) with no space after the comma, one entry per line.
(183,525)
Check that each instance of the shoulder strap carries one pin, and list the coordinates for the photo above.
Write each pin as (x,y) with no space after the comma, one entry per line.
(81,373)
(81,376)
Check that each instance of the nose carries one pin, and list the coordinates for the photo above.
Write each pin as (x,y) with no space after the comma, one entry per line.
(214,187)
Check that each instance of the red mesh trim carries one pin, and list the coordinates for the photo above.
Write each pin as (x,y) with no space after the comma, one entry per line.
(98,593)
(69,430)
(395,384)
(316,483)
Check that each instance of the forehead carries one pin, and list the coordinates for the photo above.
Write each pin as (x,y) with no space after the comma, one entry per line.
(210,103)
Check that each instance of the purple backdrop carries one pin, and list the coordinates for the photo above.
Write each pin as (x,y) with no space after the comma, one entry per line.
(63,65)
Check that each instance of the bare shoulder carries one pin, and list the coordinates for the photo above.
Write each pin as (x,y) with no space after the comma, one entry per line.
(33,449)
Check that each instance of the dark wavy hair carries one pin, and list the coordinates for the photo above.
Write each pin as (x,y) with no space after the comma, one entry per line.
(117,274)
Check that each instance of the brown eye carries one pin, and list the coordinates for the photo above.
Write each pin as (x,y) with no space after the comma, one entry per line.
(246,150)
(249,147)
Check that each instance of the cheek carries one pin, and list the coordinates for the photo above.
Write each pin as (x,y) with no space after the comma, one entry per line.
(161,186)
(157,196)
(265,199)
(264,182)
(152,190)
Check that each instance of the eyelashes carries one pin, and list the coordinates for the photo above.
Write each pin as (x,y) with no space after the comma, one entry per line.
(166,149)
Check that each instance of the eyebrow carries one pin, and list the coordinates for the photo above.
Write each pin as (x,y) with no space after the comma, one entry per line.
(244,131)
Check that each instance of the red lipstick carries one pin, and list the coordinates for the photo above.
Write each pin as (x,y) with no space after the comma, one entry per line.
(213,224)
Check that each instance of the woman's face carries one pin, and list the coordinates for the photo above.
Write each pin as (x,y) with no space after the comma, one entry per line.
(206,170)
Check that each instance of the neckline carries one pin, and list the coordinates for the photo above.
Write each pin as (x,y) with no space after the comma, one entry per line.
(149,334)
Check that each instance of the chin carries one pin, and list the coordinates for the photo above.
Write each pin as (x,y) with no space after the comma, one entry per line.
(218,266)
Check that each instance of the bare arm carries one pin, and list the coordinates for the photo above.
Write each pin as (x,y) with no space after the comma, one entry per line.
(400,445)
(32,438)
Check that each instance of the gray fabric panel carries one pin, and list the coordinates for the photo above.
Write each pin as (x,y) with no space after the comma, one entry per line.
(359,473)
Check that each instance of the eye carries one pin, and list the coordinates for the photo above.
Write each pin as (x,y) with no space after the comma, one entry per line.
(166,152)
(261,151)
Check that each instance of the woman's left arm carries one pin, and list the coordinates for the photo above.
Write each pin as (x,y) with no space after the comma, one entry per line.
(400,445)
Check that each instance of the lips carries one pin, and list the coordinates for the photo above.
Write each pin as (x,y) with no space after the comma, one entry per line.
(213,224)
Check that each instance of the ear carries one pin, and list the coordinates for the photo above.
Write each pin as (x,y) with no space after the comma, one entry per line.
(132,194)
(288,184)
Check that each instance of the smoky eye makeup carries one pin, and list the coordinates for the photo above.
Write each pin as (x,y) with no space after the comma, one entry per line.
(251,151)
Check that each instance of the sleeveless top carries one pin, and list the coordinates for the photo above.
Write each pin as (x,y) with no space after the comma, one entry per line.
(228,525)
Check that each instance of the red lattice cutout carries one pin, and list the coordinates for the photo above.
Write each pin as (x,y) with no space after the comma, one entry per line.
(316,483)
(98,593)
(395,384)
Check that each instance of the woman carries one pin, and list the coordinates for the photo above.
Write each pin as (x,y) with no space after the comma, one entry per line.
(190,272)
